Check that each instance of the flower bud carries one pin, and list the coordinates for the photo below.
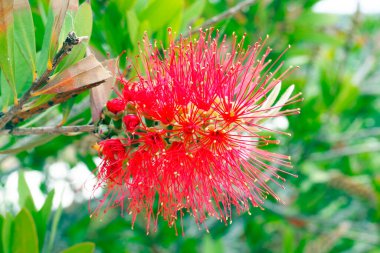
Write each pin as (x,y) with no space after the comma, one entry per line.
(116,105)
(131,121)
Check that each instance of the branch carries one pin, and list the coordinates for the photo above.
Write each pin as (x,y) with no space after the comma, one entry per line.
(228,13)
(372,147)
(70,41)
(50,130)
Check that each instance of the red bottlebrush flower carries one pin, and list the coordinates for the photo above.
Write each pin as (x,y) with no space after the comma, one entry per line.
(113,154)
(116,105)
(194,131)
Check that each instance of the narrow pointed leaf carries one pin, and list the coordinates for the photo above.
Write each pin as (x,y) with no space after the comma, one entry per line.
(268,102)
(42,219)
(1,233)
(192,13)
(6,233)
(24,192)
(40,105)
(84,247)
(66,109)
(82,27)
(282,101)
(133,25)
(6,93)
(23,70)
(24,32)
(158,10)
(100,94)
(68,23)
(54,226)
(54,24)
(45,102)
(60,8)
(44,99)
(25,233)
(46,208)
(28,143)
(85,73)
(7,44)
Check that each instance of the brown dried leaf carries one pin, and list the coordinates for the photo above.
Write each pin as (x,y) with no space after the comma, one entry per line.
(20,4)
(81,75)
(100,94)
(71,5)
(58,99)
(6,17)
(60,8)
(7,48)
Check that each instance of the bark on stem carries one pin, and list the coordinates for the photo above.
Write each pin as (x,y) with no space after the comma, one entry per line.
(49,130)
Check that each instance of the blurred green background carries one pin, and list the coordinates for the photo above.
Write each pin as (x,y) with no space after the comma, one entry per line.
(333,205)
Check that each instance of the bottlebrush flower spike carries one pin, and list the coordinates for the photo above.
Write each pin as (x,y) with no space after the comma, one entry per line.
(193,134)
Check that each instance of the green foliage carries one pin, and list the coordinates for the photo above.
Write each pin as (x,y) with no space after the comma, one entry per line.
(6,233)
(212,246)
(7,46)
(130,21)
(26,232)
(333,205)
(81,23)
(24,35)
(86,247)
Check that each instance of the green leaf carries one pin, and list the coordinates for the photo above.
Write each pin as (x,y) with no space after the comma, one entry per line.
(25,197)
(43,99)
(24,33)
(42,218)
(343,101)
(43,55)
(46,208)
(65,108)
(6,233)
(53,28)
(25,238)
(133,25)
(160,12)
(1,233)
(82,27)
(28,143)
(24,72)
(192,13)
(123,5)
(84,247)
(212,246)
(288,240)
(67,26)
(7,44)
(6,93)
(54,226)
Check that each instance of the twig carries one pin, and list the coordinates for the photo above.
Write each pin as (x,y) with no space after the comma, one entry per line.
(230,12)
(70,41)
(361,134)
(346,151)
(25,141)
(50,130)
